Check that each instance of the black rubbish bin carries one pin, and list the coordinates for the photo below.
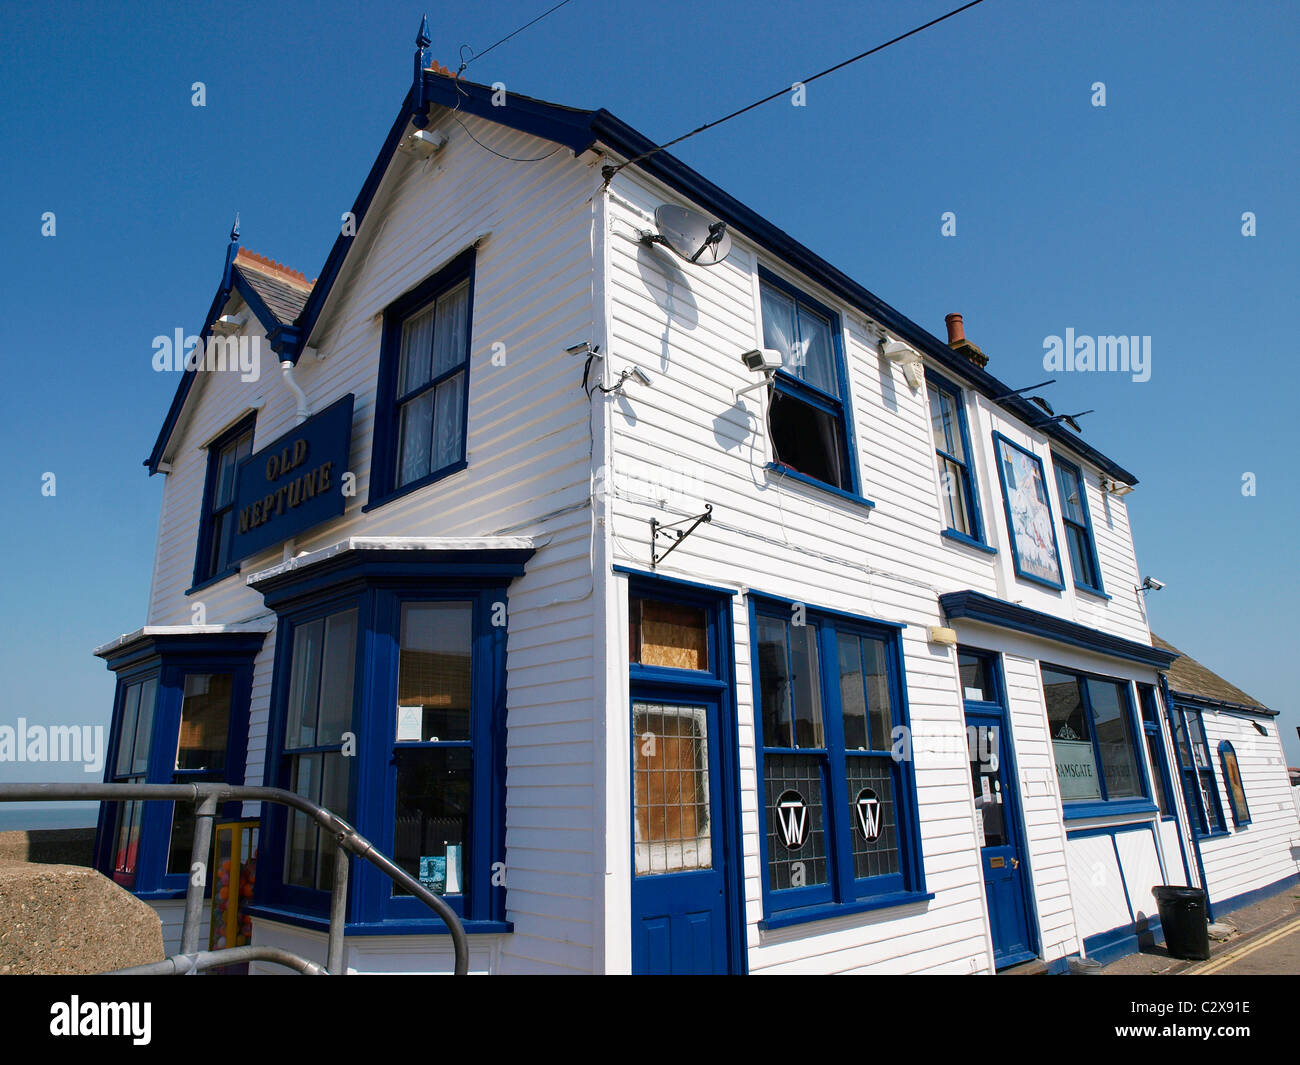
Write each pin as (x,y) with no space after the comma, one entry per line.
(1184,919)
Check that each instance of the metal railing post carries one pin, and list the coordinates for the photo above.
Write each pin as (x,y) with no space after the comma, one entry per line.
(207,810)
(338,909)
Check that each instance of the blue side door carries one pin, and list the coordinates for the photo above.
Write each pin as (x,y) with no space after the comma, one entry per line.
(679,902)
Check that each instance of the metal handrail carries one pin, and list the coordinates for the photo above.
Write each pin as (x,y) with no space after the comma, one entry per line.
(207,797)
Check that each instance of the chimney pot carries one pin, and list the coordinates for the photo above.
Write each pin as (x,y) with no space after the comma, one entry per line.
(956,333)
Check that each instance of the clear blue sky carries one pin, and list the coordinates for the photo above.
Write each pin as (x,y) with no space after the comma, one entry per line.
(1122,220)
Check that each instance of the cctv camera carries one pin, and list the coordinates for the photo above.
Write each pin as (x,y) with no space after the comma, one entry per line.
(1152,584)
(765,360)
(584,348)
(640,375)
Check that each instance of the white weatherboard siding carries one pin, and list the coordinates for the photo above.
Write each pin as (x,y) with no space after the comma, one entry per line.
(528,452)
(1268,849)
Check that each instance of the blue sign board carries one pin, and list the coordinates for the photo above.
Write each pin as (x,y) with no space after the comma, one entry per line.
(294,483)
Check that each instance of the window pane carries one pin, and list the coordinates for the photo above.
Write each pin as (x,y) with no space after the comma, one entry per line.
(853,696)
(872,815)
(796,838)
(1196,729)
(126,844)
(806,685)
(974,678)
(778,325)
(417,347)
(144,726)
(1080,556)
(954,490)
(337,664)
(433,817)
(415,438)
(1076,764)
(449,423)
(1115,738)
(1071,495)
(774,683)
(335,794)
(880,703)
(300,844)
(304,685)
(986,779)
(818,351)
(450,338)
(225,489)
(433,675)
(126,733)
(670,634)
(943,422)
(671,788)
(205,721)
(808,440)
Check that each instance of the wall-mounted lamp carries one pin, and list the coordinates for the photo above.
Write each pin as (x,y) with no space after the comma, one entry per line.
(942,635)
(906,357)
(1116,488)
(423,143)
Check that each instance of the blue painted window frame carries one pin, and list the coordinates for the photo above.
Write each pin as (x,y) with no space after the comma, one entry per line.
(169,668)
(788,384)
(1240,818)
(999,439)
(204,573)
(1088,546)
(1079,808)
(386,440)
(969,483)
(842,893)
(1198,780)
(372,908)
(1155,744)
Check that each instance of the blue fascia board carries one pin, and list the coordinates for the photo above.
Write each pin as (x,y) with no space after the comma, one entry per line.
(1205,702)
(976,606)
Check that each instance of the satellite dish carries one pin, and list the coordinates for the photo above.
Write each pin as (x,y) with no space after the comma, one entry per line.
(694,236)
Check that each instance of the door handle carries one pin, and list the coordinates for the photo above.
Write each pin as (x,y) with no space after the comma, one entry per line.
(1015,863)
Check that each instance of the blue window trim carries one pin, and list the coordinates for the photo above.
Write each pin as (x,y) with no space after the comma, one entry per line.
(969,481)
(1206,823)
(1151,727)
(384,456)
(1239,819)
(999,439)
(1090,538)
(843,893)
(1075,809)
(202,578)
(966,541)
(168,660)
(789,471)
(842,408)
(377,583)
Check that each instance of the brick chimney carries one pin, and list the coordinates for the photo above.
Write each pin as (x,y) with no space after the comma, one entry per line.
(958,342)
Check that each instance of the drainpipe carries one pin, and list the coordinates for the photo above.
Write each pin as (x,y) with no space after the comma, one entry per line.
(304,411)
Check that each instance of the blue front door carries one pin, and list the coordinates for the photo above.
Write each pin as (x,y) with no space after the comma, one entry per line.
(997,812)
(679,902)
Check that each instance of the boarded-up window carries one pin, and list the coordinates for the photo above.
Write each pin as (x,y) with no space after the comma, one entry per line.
(667,634)
(671,760)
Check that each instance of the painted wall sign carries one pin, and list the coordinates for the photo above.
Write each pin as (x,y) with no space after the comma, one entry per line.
(1076,769)
(295,482)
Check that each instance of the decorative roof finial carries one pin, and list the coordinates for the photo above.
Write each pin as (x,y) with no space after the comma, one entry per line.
(234,230)
(419,106)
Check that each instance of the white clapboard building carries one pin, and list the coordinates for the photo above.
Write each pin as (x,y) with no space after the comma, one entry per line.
(654,592)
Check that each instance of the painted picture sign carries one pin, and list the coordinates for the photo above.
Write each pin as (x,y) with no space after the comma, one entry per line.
(1029,513)
(295,482)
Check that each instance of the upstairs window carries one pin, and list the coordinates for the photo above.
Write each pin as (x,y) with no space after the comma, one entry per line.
(808,419)
(957,487)
(1078,526)
(423,395)
(217,524)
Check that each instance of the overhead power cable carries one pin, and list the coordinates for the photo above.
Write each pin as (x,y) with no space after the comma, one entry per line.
(610,171)
(479,55)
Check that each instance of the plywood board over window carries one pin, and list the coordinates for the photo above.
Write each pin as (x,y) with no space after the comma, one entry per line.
(668,634)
